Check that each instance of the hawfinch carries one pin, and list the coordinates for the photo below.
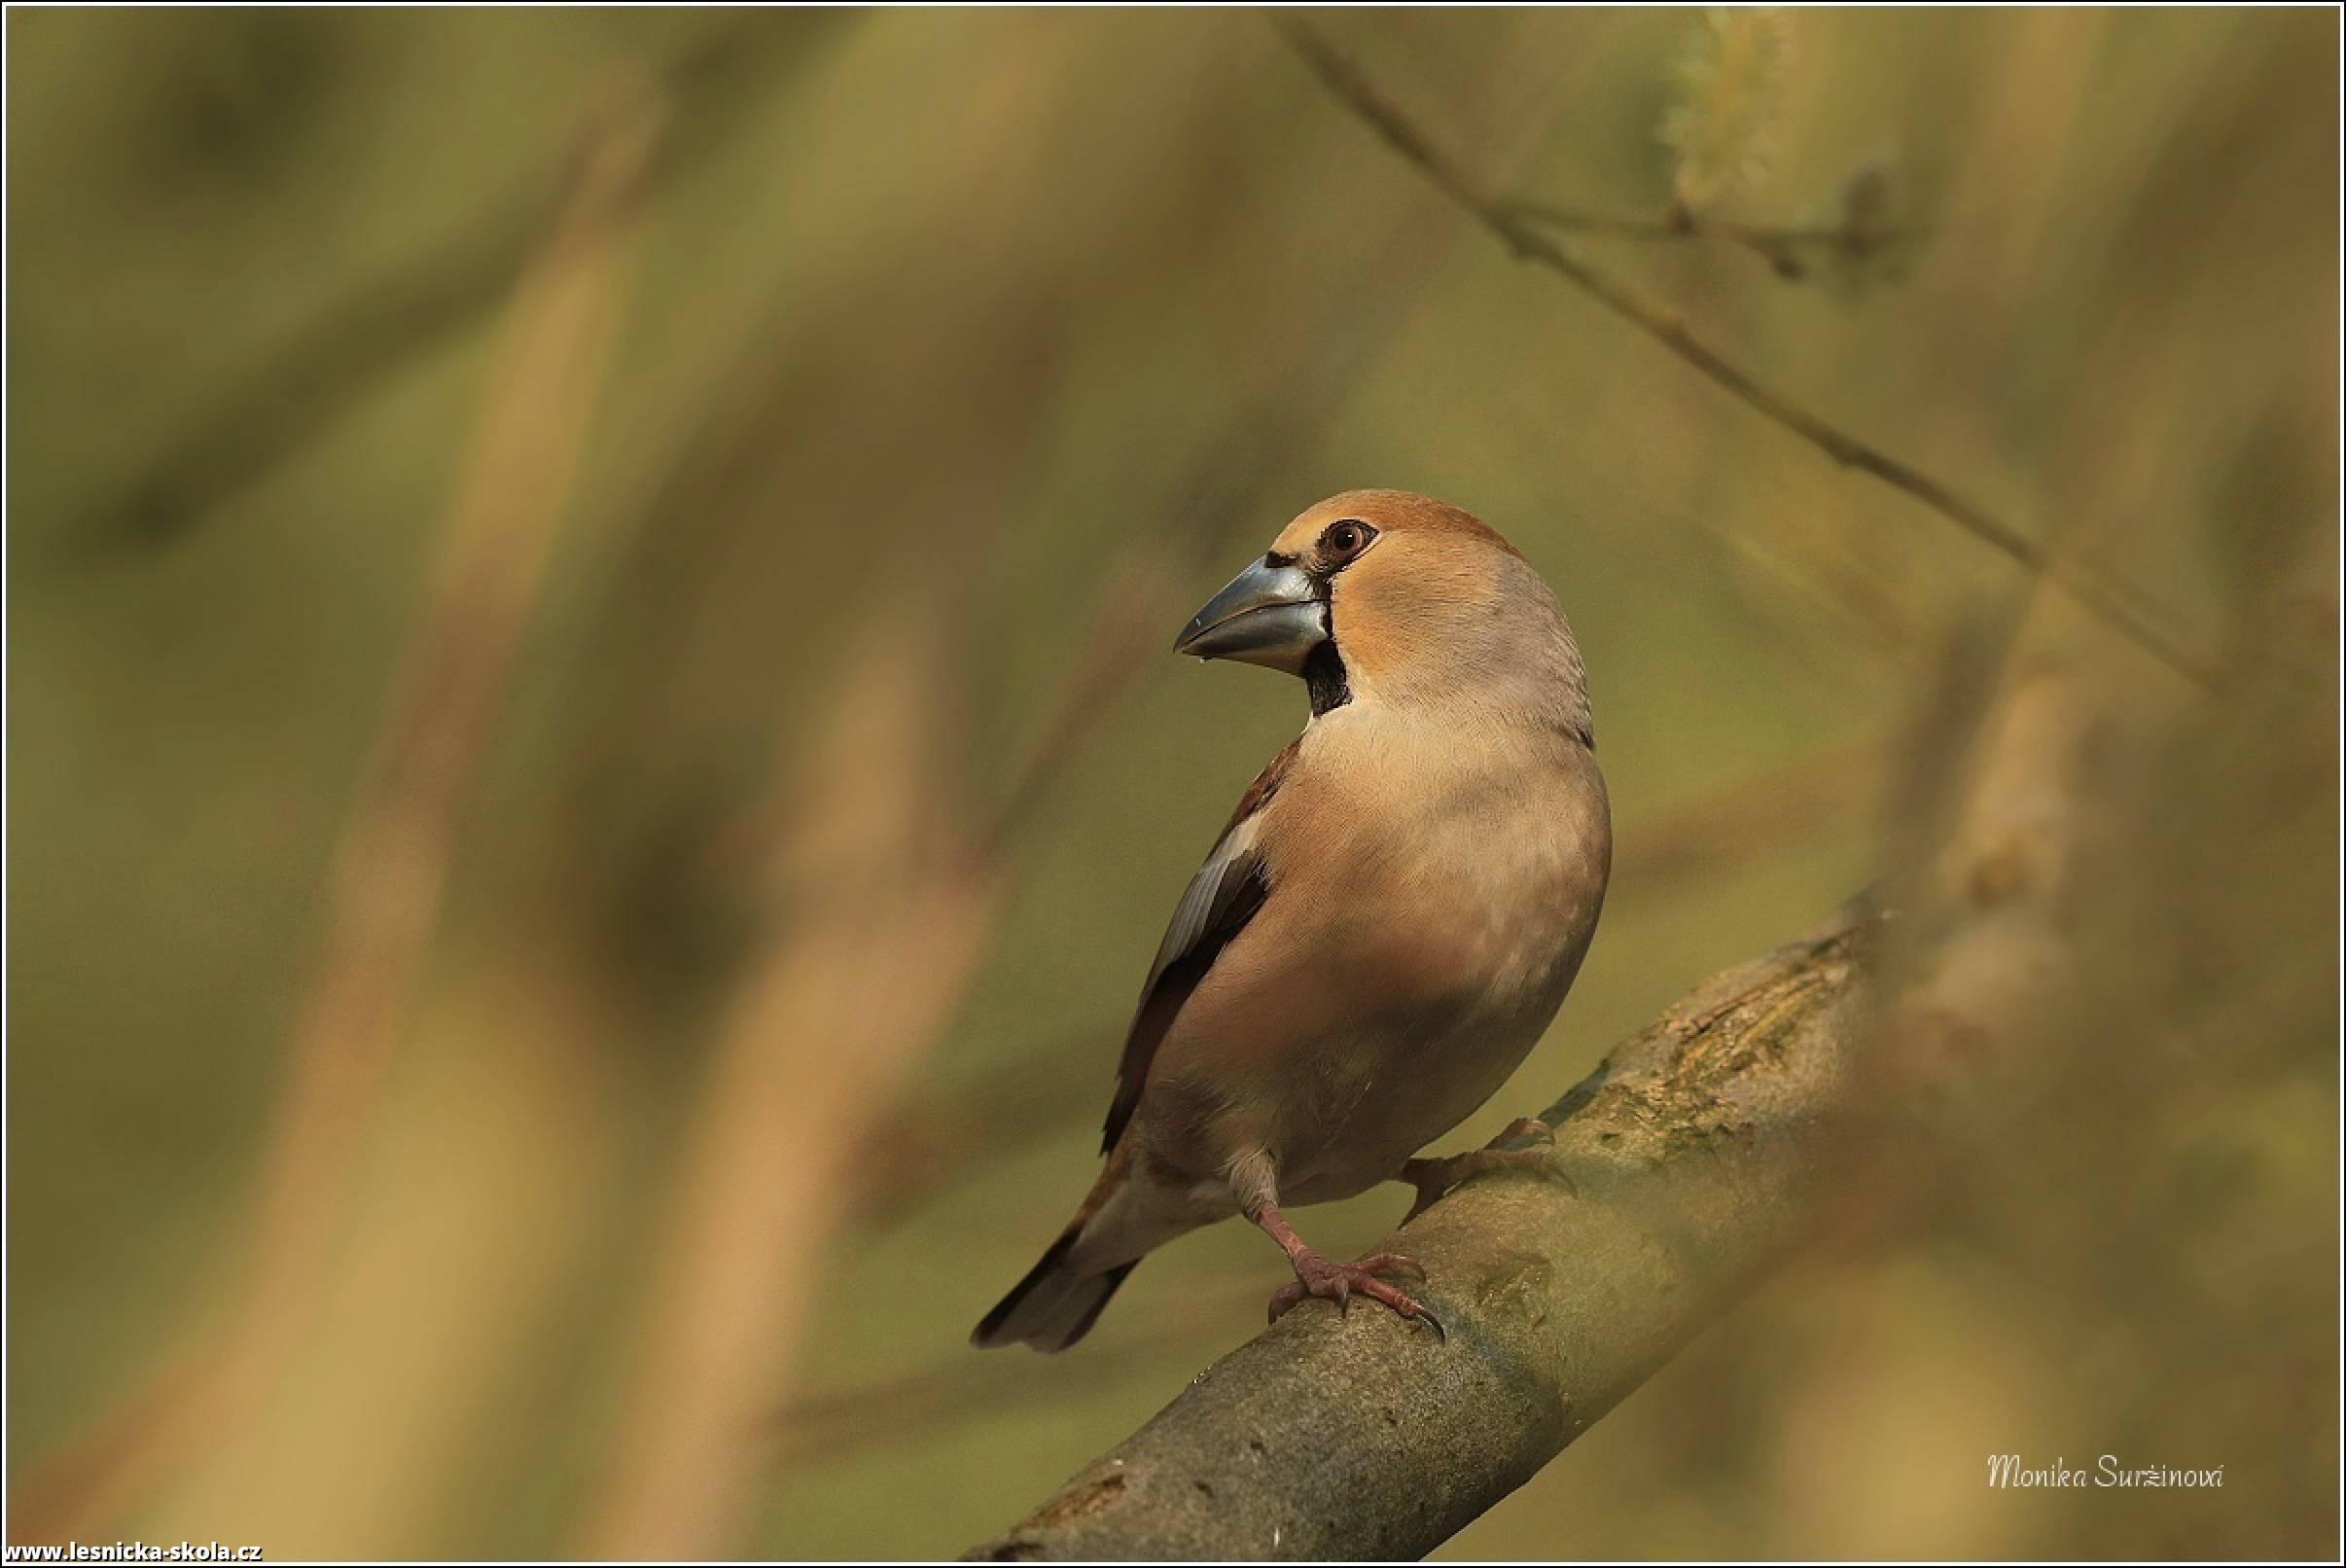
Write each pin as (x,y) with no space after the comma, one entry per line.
(1388,924)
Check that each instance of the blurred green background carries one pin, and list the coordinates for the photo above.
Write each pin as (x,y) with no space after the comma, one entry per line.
(806,852)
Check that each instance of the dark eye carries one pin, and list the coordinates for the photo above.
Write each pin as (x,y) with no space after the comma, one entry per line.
(1344,540)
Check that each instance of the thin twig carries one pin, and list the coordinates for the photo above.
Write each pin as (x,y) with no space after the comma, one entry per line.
(1663,324)
(1777,245)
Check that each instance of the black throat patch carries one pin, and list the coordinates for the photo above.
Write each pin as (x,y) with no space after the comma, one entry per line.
(1324,677)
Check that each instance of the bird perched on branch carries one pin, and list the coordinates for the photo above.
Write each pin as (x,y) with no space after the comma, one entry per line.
(1387,925)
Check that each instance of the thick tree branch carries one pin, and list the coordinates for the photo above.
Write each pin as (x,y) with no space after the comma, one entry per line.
(1704,1151)
(1519,227)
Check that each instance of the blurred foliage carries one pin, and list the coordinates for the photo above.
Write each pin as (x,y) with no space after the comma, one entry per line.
(1733,82)
(1024,329)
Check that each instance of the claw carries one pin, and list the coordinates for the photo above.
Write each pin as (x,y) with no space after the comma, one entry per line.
(1523,1127)
(1339,1282)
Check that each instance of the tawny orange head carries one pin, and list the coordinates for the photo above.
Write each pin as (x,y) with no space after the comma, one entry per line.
(1403,600)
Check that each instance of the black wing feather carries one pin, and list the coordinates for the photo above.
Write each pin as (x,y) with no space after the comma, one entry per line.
(1221,899)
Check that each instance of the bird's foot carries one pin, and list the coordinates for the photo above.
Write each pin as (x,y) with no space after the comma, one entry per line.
(1434,1178)
(1316,1275)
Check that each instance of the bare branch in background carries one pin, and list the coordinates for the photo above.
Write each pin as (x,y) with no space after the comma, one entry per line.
(1705,1152)
(843,1003)
(1782,246)
(343,354)
(391,863)
(1663,324)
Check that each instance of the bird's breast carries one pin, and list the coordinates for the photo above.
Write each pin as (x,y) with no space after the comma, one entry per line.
(1444,909)
(1466,867)
(1429,895)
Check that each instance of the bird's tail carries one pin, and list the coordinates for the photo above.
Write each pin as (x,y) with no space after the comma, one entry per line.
(1055,1304)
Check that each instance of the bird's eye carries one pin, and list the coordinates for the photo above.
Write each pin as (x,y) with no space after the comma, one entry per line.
(1344,540)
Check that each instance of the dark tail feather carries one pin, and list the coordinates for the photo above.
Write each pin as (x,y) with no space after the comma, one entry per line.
(1053,1305)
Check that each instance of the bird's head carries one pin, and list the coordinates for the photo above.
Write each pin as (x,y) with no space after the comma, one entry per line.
(1404,601)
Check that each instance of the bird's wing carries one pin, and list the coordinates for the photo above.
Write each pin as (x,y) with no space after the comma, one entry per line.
(1219,901)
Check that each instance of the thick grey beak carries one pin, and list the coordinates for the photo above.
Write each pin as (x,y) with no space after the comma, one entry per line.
(1267,614)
